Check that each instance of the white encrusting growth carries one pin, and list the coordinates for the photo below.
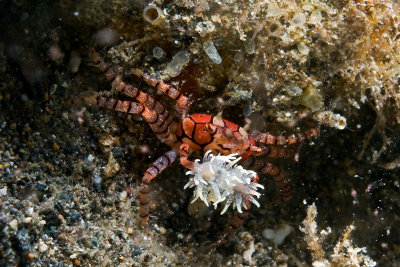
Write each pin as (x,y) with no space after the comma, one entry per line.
(220,178)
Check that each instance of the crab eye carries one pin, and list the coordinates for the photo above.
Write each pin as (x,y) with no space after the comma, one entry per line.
(211,128)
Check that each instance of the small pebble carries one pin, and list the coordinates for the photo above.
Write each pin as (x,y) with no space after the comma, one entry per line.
(13,224)
(277,235)
(205,27)
(158,52)
(250,47)
(122,196)
(41,187)
(74,216)
(294,90)
(303,49)
(315,17)
(180,60)
(238,56)
(3,191)
(90,158)
(298,20)
(162,230)
(212,52)
(56,147)
(136,251)
(43,247)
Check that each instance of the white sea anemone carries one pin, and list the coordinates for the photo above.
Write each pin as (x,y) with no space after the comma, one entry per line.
(220,178)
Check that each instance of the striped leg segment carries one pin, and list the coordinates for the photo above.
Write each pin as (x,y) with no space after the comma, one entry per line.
(277,152)
(154,112)
(182,102)
(280,179)
(131,107)
(112,75)
(234,222)
(158,166)
(269,139)
(160,125)
(125,106)
(155,169)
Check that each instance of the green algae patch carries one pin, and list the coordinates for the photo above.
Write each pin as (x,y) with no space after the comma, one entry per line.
(310,98)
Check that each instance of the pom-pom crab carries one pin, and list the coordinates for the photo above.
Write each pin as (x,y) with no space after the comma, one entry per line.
(197,134)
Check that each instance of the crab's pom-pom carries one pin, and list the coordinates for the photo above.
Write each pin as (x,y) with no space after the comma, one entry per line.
(220,179)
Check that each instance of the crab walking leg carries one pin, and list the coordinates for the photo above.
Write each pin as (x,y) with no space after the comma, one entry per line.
(155,169)
(235,221)
(182,102)
(280,180)
(269,139)
(277,152)
(160,126)
(129,90)
(233,224)
(267,168)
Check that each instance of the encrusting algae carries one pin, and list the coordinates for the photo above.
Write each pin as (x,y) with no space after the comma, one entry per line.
(344,253)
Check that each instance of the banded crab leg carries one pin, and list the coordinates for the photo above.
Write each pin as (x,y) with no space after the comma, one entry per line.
(280,180)
(235,221)
(113,76)
(233,224)
(267,168)
(161,163)
(182,102)
(269,139)
(155,169)
(277,152)
(161,127)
